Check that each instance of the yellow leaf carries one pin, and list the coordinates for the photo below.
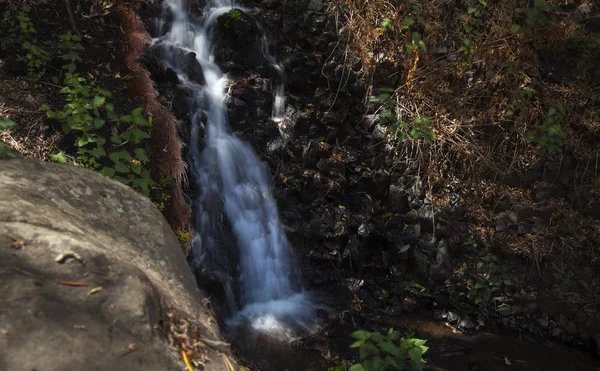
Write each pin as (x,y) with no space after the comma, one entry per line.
(283,177)
(94,290)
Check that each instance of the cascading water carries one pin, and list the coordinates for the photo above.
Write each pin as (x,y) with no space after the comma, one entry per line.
(234,186)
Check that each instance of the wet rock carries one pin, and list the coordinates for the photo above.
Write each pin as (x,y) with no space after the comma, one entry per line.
(237,38)
(441,268)
(420,262)
(439,314)
(451,317)
(505,220)
(571,328)
(467,324)
(427,244)
(397,199)
(160,72)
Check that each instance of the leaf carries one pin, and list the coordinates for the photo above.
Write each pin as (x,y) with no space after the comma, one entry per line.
(95,290)
(515,28)
(115,157)
(416,36)
(409,21)
(380,98)
(126,118)
(357,343)
(6,123)
(486,294)
(136,168)
(59,157)
(115,139)
(98,123)
(361,335)
(121,168)
(479,284)
(389,348)
(357,367)
(140,154)
(483,268)
(98,101)
(471,10)
(108,172)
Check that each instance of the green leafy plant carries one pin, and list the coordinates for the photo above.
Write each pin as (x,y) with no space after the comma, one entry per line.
(414,25)
(421,127)
(70,45)
(473,26)
(489,273)
(386,25)
(551,133)
(36,59)
(380,352)
(535,18)
(20,25)
(87,110)
(5,151)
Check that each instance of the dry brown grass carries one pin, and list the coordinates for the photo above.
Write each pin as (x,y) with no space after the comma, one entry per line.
(475,135)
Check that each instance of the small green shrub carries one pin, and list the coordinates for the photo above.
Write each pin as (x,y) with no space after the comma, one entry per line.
(551,134)
(7,152)
(473,26)
(70,45)
(489,273)
(35,58)
(380,352)
(87,110)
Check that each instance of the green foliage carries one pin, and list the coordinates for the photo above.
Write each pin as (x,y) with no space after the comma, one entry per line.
(414,25)
(536,18)
(234,14)
(380,352)
(489,273)
(551,134)
(386,25)
(70,45)
(21,26)
(473,26)
(36,59)
(90,114)
(19,23)
(7,152)
(421,128)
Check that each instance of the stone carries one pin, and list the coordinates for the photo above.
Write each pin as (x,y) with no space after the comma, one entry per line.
(467,324)
(397,199)
(441,269)
(451,317)
(129,250)
(439,314)
(505,220)
(420,262)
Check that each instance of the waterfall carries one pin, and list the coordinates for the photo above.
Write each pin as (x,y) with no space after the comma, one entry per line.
(235,190)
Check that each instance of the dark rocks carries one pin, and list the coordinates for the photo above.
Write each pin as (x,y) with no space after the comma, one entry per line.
(237,40)
(441,269)
(160,72)
(397,199)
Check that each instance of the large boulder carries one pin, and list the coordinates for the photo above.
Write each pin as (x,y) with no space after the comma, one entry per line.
(93,278)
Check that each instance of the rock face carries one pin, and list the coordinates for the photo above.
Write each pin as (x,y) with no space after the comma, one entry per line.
(111,237)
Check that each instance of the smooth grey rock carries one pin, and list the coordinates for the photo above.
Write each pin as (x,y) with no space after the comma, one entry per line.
(467,324)
(129,250)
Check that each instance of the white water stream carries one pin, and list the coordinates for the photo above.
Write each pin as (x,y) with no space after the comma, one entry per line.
(234,185)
